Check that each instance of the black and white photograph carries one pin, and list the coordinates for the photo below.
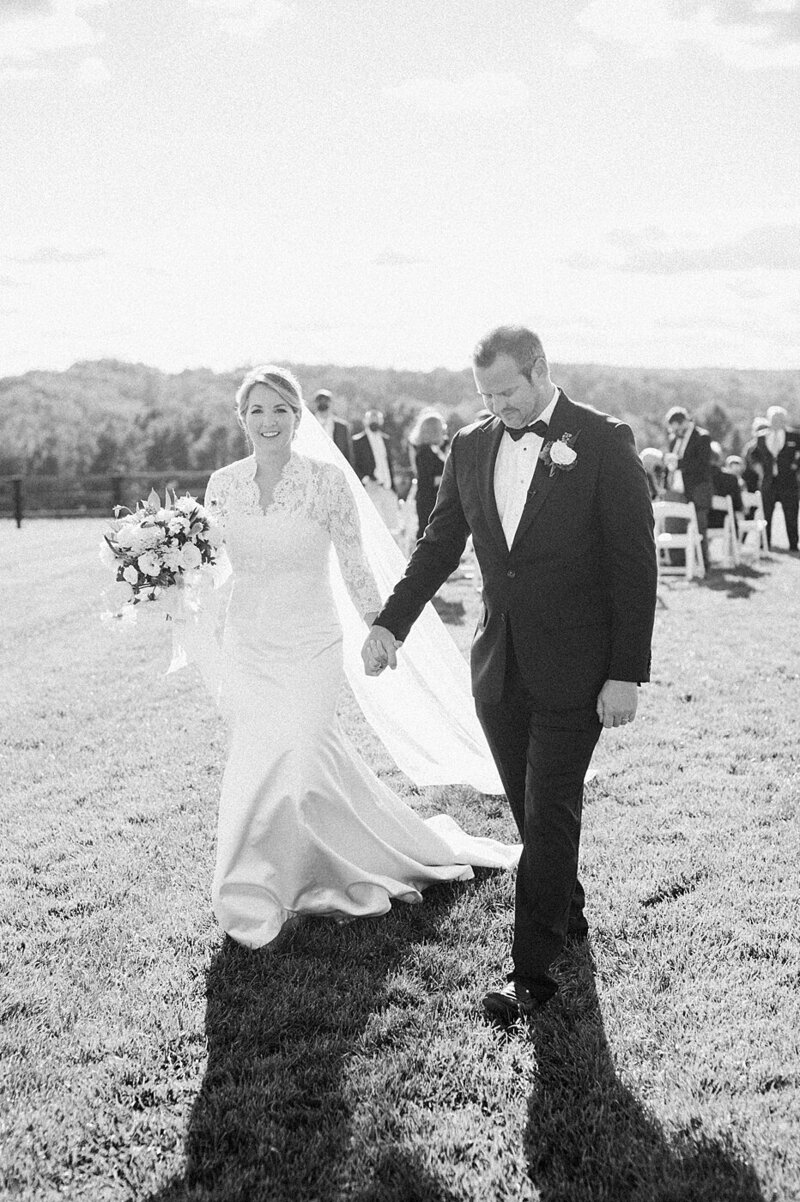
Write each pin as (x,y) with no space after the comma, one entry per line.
(399,601)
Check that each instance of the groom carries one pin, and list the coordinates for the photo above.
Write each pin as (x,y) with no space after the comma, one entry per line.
(556,500)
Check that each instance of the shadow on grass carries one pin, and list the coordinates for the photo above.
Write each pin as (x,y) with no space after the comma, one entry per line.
(736,583)
(588,1139)
(272,1120)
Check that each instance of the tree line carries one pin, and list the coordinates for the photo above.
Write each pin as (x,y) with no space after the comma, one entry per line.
(109,416)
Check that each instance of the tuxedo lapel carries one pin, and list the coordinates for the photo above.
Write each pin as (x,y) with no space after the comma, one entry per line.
(543,482)
(485,461)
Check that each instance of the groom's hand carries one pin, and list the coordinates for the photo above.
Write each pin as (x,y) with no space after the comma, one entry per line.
(616,705)
(380,649)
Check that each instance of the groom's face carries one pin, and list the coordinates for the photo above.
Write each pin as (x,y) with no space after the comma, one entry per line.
(509,394)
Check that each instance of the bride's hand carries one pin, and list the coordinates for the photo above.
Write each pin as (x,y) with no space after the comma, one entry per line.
(380,649)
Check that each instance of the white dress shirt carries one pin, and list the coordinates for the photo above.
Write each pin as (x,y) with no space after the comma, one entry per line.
(382,473)
(776,441)
(513,472)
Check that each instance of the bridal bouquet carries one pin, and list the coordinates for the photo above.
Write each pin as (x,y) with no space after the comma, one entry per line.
(155,549)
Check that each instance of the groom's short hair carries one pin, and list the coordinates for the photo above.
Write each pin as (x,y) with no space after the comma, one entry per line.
(520,343)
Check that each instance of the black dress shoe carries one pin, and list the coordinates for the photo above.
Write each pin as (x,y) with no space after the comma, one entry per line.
(514,1000)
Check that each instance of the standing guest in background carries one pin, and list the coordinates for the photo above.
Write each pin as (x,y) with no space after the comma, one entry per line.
(725,484)
(335,427)
(655,469)
(372,462)
(753,471)
(427,455)
(777,455)
(690,454)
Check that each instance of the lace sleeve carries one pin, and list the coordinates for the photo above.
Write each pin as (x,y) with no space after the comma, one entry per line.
(345,531)
(214,499)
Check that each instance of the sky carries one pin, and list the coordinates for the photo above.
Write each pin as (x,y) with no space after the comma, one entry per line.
(191,183)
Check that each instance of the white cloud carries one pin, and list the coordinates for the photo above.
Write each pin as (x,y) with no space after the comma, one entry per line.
(245,19)
(14,74)
(481,92)
(92,72)
(52,254)
(398,258)
(651,251)
(30,29)
(744,33)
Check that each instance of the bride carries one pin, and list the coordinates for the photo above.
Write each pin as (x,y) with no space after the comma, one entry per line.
(305,827)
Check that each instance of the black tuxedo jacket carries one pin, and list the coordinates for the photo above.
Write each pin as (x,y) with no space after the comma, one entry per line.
(577,589)
(695,463)
(364,460)
(787,461)
(343,438)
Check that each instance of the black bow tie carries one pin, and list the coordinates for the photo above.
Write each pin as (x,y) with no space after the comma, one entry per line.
(539,428)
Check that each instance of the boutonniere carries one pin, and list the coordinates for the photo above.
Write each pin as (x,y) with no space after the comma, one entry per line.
(558,453)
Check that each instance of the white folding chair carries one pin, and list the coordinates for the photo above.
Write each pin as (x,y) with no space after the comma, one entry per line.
(724,536)
(753,528)
(682,535)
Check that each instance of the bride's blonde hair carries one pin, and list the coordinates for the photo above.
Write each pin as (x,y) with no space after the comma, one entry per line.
(279,379)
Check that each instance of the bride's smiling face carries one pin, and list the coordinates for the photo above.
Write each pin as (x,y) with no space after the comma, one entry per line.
(270,421)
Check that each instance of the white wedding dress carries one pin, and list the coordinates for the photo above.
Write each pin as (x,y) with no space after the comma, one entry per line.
(305,827)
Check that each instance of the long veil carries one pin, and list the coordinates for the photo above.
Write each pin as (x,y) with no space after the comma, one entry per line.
(423,712)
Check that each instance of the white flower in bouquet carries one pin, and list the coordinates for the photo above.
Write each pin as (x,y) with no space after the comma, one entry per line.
(191,557)
(149,564)
(130,574)
(171,559)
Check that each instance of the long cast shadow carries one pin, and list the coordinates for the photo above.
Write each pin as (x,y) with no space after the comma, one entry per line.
(272,1120)
(588,1138)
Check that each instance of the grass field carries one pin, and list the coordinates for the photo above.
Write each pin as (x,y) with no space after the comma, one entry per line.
(145,1057)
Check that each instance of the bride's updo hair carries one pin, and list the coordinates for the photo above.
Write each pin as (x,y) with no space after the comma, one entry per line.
(279,380)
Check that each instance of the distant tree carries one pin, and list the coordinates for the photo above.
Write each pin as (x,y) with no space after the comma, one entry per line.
(716,420)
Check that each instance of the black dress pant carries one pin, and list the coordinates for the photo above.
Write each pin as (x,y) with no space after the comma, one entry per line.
(542,758)
(785,491)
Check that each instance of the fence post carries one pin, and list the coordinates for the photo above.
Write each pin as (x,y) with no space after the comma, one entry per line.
(16,486)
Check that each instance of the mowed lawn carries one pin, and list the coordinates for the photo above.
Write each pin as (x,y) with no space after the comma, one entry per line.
(143,1056)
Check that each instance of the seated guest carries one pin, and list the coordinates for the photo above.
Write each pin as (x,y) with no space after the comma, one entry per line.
(656,471)
(735,464)
(725,484)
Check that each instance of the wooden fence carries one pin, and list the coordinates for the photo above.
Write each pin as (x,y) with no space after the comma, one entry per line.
(89,496)
(95,496)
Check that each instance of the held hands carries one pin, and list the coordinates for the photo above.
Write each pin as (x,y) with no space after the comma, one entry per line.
(380,649)
(616,705)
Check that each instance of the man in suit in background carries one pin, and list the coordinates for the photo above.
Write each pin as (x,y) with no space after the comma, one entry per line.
(690,454)
(555,498)
(776,458)
(372,462)
(335,427)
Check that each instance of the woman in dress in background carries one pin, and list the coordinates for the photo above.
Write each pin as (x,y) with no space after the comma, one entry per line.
(305,826)
(427,454)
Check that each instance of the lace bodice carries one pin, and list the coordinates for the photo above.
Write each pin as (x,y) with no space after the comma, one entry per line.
(307,490)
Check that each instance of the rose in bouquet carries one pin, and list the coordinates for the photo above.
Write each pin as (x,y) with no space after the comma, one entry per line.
(155,549)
